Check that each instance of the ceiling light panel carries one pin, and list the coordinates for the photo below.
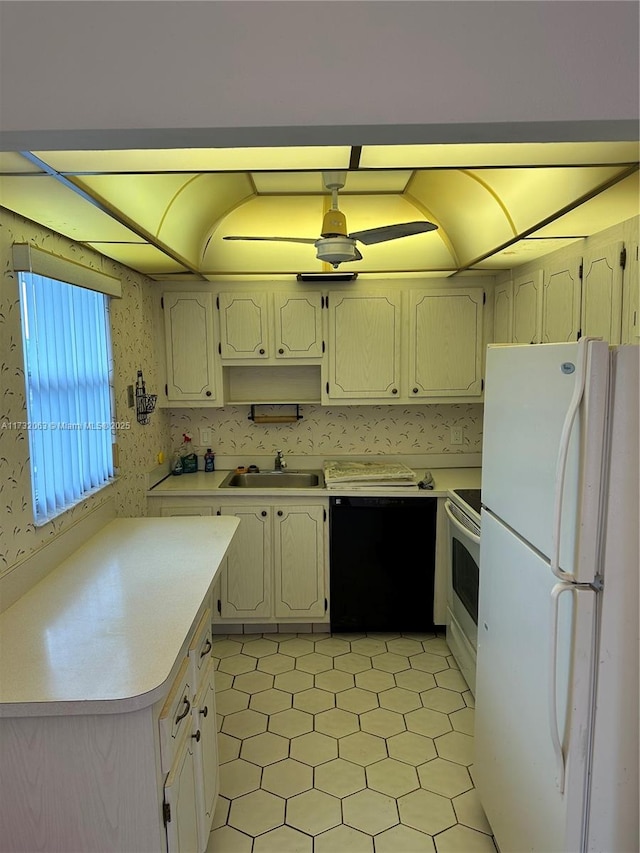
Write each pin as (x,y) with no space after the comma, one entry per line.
(522,252)
(614,205)
(46,201)
(198,159)
(472,217)
(311,182)
(531,195)
(141,257)
(177,209)
(497,154)
(11,162)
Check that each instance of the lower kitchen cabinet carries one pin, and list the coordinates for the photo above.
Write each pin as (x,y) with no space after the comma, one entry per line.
(180,807)
(108,740)
(246,583)
(275,568)
(143,780)
(188,747)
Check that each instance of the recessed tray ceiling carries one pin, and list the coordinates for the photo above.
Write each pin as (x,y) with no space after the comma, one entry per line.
(165,212)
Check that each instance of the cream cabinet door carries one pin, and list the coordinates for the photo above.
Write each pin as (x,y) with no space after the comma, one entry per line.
(298,325)
(503,313)
(445,342)
(561,292)
(299,562)
(631,297)
(246,581)
(192,368)
(206,755)
(527,308)
(244,325)
(364,346)
(602,293)
(181,814)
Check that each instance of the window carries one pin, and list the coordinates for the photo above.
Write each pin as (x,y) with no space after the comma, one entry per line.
(67,354)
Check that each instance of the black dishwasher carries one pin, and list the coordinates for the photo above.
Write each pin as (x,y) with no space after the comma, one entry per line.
(382,563)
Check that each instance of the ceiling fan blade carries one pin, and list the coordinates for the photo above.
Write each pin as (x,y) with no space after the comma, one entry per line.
(392,232)
(310,240)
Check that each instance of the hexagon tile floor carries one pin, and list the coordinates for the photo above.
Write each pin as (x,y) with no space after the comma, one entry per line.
(344,743)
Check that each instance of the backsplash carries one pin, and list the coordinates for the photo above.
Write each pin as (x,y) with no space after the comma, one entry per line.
(336,430)
(133,348)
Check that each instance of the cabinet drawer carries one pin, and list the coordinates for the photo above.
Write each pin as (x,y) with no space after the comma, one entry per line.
(176,715)
(200,650)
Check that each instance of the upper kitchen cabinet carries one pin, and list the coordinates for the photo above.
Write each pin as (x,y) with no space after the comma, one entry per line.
(193,371)
(561,292)
(364,346)
(589,289)
(445,343)
(527,308)
(244,325)
(602,292)
(297,325)
(503,313)
(269,327)
(631,297)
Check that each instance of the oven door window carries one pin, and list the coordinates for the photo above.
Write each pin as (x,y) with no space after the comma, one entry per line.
(466,578)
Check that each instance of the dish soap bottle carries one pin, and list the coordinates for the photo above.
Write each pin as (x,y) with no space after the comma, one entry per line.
(209,460)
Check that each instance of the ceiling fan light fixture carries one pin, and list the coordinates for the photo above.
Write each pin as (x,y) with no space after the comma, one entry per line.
(336,250)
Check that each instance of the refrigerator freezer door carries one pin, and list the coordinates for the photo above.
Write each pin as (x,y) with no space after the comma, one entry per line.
(528,393)
(515,764)
(614,789)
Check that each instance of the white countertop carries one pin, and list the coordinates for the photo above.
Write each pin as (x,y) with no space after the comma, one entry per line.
(102,632)
(201,484)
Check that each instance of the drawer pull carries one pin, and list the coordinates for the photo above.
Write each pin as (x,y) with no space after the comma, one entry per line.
(196,736)
(187,708)
(206,650)
(205,711)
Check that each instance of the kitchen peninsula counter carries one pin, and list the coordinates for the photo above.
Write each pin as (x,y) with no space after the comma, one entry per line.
(103,632)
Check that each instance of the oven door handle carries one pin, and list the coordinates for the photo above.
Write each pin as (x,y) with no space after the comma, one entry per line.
(460,526)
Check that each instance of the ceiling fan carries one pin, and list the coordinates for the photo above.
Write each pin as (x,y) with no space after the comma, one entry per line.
(336,245)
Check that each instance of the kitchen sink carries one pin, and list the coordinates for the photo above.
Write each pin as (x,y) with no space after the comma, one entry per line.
(274,480)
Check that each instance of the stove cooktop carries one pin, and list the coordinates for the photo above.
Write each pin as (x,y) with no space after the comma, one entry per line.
(472,497)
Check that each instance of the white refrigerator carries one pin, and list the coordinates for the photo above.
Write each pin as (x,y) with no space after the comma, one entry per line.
(556,734)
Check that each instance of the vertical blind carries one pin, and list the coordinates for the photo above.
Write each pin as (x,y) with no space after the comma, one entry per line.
(67,351)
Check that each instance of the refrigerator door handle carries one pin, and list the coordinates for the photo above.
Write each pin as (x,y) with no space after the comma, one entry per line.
(563,450)
(556,592)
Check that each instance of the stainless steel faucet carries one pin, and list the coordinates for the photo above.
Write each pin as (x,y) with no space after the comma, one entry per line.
(279,463)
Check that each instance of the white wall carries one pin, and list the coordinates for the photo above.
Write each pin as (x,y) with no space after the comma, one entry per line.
(207,73)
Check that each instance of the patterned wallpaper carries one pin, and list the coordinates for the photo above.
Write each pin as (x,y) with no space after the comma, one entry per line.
(324,431)
(133,348)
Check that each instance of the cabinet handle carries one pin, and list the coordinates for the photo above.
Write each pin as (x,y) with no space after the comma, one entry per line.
(261,352)
(263,513)
(208,393)
(187,708)
(280,512)
(196,736)
(415,390)
(394,390)
(205,711)
(281,351)
(206,650)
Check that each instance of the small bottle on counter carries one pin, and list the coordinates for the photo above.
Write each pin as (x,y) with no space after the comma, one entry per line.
(176,466)
(209,460)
